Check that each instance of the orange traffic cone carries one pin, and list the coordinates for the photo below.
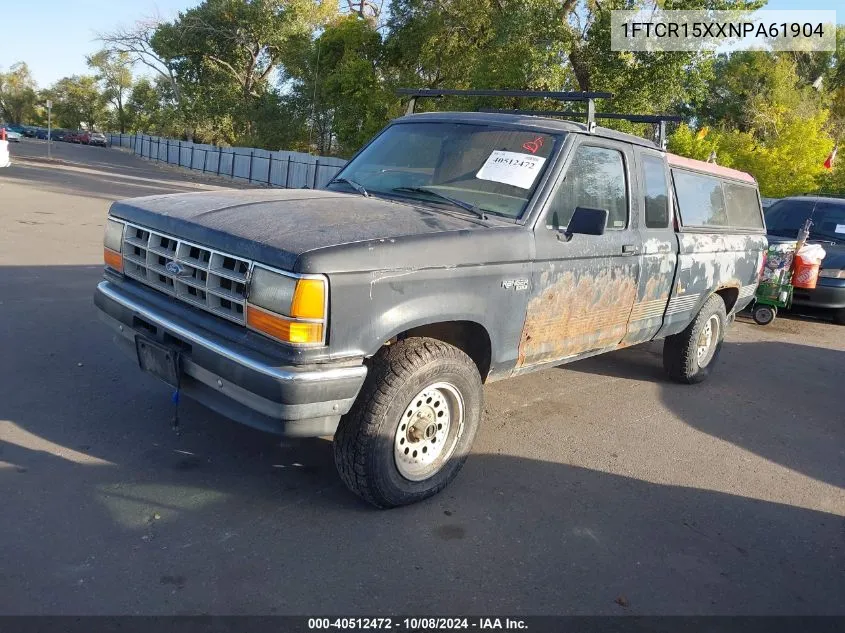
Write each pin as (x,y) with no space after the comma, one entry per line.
(2,134)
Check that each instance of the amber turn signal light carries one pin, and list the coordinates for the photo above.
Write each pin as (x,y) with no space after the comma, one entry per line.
(282,328)
(309,299)
(113,259)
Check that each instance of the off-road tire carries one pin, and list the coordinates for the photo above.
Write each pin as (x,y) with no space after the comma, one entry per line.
(680,358)
(364,440)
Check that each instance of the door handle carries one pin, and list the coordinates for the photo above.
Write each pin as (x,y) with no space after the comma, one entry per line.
(630,249)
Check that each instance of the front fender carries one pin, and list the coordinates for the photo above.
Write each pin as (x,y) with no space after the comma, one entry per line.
(393,302)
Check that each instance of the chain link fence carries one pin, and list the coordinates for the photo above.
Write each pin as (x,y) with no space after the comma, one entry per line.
(289,170)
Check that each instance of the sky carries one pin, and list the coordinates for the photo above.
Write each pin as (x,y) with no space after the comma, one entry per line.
(54,36)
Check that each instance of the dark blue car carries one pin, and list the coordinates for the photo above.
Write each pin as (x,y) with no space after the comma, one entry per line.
(783,220)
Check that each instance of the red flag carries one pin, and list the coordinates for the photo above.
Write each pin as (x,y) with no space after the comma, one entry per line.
(828,164)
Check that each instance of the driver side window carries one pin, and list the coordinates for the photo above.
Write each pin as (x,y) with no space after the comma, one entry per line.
(596,180)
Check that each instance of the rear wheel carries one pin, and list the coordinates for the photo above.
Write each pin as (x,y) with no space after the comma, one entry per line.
(689,356)
(763,314)
(412,426)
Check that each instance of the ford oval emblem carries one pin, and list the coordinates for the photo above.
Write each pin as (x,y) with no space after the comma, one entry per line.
(173,268)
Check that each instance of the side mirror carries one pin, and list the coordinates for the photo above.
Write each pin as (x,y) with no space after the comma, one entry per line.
(586,222)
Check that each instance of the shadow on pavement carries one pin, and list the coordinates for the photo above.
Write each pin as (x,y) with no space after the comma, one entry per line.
(799,427)
(106,510)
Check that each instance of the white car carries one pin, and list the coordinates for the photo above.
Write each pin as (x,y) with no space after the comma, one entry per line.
(13,137)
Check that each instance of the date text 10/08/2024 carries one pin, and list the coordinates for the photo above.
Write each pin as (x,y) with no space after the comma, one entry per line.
(416,624)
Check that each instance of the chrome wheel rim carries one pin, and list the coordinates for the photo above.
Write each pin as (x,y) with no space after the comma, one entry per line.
(707,341)
(428,431)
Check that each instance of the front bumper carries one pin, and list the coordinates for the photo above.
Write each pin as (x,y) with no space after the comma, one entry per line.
(828,293)
(228,376)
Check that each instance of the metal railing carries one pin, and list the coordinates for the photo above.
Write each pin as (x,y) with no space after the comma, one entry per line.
(290,170)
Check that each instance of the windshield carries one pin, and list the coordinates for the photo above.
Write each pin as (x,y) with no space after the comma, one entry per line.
(488,168)
(786,217)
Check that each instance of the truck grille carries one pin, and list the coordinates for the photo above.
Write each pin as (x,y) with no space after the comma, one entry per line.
(206,278)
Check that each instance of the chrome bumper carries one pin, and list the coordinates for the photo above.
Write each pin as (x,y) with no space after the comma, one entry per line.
(234,380)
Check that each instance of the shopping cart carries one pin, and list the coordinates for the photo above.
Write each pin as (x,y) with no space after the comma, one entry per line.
(770,296)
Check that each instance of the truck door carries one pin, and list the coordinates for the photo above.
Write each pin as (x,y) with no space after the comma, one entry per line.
(659,247)
(583,288)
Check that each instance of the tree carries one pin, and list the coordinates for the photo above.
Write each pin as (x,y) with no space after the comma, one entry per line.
(228,49)
(17,94)
(339,87)
(136,42)
(77,102)
(745,81)
(542,44)
(786,160)
(114,73)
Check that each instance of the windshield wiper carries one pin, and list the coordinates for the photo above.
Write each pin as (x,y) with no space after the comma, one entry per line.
(458,203)
(357,187)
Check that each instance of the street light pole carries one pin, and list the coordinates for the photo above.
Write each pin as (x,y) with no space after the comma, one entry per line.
(49,126)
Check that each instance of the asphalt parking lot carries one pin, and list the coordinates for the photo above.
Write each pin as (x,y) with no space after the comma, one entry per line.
(599,488)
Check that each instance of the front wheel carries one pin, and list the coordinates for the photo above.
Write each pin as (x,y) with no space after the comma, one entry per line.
(412,426)
(763,314)
(689,356)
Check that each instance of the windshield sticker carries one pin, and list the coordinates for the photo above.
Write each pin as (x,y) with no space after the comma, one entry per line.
(511,168)
(840,228)
(533,146)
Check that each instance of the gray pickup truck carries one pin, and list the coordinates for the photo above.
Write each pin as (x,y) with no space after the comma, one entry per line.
(454,249)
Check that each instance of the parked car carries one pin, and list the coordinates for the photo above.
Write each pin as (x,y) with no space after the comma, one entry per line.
(454,249)
(30,131)
(11,135)
(74,137)
(786,217)
(97,138)
(13,127)
(767,202)
(41,133)
(60,135)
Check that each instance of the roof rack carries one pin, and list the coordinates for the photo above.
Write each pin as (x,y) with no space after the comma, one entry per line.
(587,97)
(659,119)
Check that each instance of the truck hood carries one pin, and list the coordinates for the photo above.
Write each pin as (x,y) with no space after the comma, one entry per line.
(276,226)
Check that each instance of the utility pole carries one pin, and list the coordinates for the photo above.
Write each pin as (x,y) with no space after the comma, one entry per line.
(49,126)
(314,98)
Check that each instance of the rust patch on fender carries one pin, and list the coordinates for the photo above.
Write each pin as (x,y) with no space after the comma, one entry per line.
(576,313)
(656,288)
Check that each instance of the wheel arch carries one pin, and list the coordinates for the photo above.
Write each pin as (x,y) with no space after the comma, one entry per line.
(730,295)
(470,337)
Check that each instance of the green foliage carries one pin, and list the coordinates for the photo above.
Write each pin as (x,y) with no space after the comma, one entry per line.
(225,52)
(788,160)
(77,102)
(337,91)
(115,76)
(768,120)
(297,74)
(18,96)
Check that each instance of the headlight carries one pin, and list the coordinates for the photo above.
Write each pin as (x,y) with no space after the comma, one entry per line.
(290,309)
(834,273)
(112,242)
